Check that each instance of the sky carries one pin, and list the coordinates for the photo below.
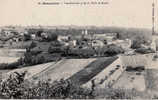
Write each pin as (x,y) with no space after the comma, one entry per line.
(120,13)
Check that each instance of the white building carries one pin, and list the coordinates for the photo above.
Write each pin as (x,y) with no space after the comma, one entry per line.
(33,36)
(125,44)
(154,43)
(72,43)
(63,38)
(97,43)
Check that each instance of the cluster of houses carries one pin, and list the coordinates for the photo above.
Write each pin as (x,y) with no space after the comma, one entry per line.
(83,40)
(94,40)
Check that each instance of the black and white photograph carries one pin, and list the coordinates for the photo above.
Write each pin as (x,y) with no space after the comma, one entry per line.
(78,49)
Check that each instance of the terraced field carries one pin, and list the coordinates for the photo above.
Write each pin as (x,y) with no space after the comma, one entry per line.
(64,69)
(8,59)
(79,71)
(32,70)
(91,70)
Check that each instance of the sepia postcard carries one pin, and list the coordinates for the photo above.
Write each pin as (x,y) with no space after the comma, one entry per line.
(78,49)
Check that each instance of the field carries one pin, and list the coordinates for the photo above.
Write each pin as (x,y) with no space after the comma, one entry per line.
(152,81)
(131,80)
(83,71)
(79,71)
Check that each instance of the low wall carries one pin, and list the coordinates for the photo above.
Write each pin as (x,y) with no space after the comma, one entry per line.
(134,60)
(108,76)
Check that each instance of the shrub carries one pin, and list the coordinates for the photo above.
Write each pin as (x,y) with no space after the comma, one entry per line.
(138,68)
(113,50)
(15,87)
(144,50)
(138,41)
(27,37)
(32,45)
(50,37)
(82,53)
(12,65)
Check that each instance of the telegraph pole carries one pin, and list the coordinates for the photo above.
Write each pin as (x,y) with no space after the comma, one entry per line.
(153,18)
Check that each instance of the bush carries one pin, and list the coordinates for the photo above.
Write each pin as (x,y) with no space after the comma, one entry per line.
(111,93)
(51,37)
(15,87)
(138,41)
(32,45)
(12,65)
(138,68)
(113,50)
(144,50)
(82,53)
(27,37)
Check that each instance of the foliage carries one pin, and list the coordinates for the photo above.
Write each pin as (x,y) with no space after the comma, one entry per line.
(138,41)
(11,65)
(111,93)
(113,50)
(32,45)
(50,37)
(35,31)
(82,53)
(144,50)
(15,87)
(27,37)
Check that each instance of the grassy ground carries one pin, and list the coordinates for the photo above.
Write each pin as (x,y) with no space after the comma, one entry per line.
(151,78)
(131,80)
(64,69)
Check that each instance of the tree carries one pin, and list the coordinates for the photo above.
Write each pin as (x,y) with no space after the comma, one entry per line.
(27,37)
(39,32)
(113,50)
(138,41)
(52,37)
(32,45)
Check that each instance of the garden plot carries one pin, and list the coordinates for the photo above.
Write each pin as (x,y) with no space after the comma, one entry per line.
(64,69)
(31,70)
(109,74)
(8,59)
(91,70)
(131,80)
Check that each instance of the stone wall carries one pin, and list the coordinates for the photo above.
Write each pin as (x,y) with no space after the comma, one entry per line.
(108,76)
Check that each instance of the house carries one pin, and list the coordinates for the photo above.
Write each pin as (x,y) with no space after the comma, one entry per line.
(88,37)
(125,44)
(97,43)
(33,36)
(44,35)
(106,36)
(9,32)
(72,43)
(85,32)
(63,38)
(99,36)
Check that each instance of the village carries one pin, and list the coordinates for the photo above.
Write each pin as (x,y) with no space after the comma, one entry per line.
(85,40)
(90,59)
